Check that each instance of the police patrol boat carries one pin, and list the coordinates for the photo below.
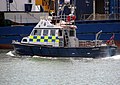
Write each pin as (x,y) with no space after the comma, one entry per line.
(59,40)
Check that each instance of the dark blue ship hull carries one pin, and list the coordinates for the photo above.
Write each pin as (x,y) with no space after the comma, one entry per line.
(86,30)
(45,51)
(10,33)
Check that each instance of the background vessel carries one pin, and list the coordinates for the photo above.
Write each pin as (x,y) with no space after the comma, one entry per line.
(92,16)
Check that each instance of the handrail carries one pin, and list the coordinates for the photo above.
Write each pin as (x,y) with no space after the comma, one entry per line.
(115,16)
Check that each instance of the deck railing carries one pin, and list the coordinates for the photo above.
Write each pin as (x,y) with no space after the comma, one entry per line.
(100,16)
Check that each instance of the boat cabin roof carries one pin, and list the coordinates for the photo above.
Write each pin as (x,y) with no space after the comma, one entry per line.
(45,24)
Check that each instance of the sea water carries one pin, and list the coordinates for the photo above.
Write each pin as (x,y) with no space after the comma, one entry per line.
(26,70)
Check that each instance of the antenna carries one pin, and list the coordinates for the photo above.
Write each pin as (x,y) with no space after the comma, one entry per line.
(94,10)
(8,4)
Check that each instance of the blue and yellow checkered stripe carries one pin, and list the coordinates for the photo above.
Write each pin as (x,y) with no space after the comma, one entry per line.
(43,39)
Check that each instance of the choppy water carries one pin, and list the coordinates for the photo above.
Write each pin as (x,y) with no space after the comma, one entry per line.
(48,71)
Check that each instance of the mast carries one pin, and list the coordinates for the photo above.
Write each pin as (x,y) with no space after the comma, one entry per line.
(56,6)
(93,9)
(8,5)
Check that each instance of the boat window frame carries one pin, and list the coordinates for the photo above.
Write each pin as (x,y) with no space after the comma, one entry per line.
(52,33)
(46,34)
(71,34)
(39,32)
(60,33)
(32,33)
(56,33)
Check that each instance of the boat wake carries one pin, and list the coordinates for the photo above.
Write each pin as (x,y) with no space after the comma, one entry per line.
(14,55)
(116,57)
(64,58)
(10,53)
(51,58)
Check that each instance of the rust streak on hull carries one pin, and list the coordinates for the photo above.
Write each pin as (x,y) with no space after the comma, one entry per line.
(6,46)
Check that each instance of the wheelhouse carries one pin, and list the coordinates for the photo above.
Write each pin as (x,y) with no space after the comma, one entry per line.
(52,35)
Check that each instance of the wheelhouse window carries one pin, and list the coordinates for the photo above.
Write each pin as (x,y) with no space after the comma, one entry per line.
(52,32)
(36,32)
(60,32)
(72,33)
(45,32)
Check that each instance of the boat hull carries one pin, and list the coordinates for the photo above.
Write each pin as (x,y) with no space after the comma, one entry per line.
(91,52)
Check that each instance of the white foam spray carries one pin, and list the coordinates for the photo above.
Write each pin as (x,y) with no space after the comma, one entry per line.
(10,53)
(116,57)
